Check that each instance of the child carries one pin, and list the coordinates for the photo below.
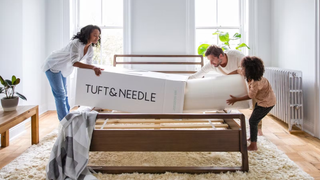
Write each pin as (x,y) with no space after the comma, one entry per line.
(260,89)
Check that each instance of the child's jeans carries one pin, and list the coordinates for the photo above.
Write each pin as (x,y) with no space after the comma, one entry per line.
(257,115)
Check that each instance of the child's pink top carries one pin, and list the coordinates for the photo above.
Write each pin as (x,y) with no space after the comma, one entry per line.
(262,92)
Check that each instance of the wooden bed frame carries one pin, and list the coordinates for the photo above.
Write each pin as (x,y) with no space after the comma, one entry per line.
(115,62)
(232,139)
(219,133)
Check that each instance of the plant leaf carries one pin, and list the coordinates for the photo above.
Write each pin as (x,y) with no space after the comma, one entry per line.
(3,82)
(242,45)
(17,81)
(224,37)
(13,79)
(236,36)
(1,90)
(8,82)
(21,96)
(225,48)
(217,32)
(202,49)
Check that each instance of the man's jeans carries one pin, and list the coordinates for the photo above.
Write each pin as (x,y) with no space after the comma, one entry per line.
(59,89)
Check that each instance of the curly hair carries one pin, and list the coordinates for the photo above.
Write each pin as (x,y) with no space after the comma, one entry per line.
(84,34)
(254,67)
(214,50)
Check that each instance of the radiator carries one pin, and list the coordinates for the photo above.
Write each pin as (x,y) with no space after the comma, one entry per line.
(287,86)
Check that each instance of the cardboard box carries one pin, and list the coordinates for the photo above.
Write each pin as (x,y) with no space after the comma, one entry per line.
(131,91)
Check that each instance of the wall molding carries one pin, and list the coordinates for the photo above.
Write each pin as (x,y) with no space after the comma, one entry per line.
(317,70)
(253,27)
(127,30)
(127,26)
(190,31)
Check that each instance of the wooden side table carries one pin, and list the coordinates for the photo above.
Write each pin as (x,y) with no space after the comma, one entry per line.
(8,119)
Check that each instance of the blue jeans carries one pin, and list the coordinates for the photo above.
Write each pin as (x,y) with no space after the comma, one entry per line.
(59,89)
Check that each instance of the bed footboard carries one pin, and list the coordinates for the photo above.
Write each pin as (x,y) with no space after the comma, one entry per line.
(226,136)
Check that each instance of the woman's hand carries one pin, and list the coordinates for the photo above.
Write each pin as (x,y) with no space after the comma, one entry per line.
(232,100)
(97,70)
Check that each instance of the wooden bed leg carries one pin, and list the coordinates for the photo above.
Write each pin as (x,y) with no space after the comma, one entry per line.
(243,144)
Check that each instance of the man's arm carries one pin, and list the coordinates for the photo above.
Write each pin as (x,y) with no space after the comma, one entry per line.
(234,72)
(204,70)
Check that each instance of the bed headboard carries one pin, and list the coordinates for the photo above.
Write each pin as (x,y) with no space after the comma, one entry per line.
(200,63)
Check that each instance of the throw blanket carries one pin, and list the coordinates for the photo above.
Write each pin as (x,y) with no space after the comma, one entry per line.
(70,153)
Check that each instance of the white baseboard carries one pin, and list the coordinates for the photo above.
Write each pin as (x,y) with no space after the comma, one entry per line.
(51,106)
(43,108)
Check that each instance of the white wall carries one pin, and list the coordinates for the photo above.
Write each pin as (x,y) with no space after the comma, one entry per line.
(11,38)
(317,84)
(34,52)
(22,50)
(158,26)
(264,34)
(58,34)
(293,47)
(161,27)
(23,47)
(11,47)
(260,30)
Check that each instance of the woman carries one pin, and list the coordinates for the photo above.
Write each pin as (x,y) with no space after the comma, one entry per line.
(259,89)
(61,63)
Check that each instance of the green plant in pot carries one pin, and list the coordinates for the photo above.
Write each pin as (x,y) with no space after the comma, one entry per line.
(225,39)
(10,101)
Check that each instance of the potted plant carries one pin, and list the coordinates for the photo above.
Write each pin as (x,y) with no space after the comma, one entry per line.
(10,101)
(225,39)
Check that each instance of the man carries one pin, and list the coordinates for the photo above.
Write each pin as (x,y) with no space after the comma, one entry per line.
(225,63)
(221,62)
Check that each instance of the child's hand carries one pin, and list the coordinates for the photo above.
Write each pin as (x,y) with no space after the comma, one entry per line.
(232,100)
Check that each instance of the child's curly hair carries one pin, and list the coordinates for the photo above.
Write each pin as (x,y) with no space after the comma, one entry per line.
(254,67)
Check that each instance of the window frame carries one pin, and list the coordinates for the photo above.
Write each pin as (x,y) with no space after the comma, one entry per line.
(243,29)
(125,31)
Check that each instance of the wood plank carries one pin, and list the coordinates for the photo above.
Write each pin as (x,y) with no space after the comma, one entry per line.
(163,169)
(113,121)
(243,143)
(232,124)
(155,126)
(201,63)
(166,140)
(12,118)
(35,127)
(5,139)
(296,132)
(8,119)
(167,116)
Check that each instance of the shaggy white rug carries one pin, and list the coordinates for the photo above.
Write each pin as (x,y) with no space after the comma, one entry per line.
(266,163)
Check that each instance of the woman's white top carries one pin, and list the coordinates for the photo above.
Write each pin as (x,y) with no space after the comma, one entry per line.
(234,62)
(63,59)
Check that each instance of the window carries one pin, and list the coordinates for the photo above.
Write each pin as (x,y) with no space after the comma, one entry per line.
(108,15)
(223,15)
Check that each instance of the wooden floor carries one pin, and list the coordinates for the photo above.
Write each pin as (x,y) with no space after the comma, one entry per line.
(301,148)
